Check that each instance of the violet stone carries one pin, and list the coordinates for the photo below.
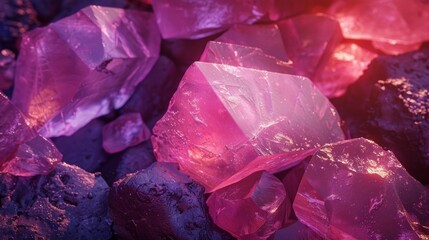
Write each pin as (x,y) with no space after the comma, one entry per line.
(296,231)
(161,203)
(7,68)
(253,208)
(309,41)
(84,147)
(223,117)
(68,203)
(22,151)
(125,131)
(83,66)
(390,105)
(356,190)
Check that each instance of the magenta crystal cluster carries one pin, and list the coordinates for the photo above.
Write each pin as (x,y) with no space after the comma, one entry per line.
(83,66)
(268,119)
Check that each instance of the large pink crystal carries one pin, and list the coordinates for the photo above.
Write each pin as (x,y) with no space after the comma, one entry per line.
(356,190)
(253,208)
(22,151)
(343,68)
(395,22)
(222,117)
(126,131)
(83,66)
(309,41)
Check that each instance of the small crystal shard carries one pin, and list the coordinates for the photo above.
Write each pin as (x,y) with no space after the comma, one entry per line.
(126,131)
(22,151)
(309,41)
(393,21)
(253,208)
(82,66)
(222,117)
(356,190)
(343,68)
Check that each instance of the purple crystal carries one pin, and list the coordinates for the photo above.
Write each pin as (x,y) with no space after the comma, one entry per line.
(222,117)
(126,131)
(82,66)
(22,151)
(356,190)
(253,208)
(7,68)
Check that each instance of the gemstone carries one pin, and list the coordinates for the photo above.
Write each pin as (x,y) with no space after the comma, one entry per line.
(309,40)
(125,131)
(68,203)
(389,105)
(393,21)
(344,67)
(83,66)
(356,190)
(22,151)
(244,56)
(253,208)
(296,231)
(395,48)
(222,117)
(160,202)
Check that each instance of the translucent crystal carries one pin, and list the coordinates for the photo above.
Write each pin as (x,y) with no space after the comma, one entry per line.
(253,208)
(356,190)
(126,131)
(22,151)
(83,66)
(223,117)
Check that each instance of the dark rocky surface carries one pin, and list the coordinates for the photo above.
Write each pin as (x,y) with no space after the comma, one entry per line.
(69,203)
(390,105)
(161,203)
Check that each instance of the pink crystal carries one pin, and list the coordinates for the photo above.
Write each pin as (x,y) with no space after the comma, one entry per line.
(395,48)
(265,37)
(22,151)
(253,208)
(244,56)
(391,21)
(356,190)
(83,66)
(222,117)
(309,41)
(126,131)
(343,68)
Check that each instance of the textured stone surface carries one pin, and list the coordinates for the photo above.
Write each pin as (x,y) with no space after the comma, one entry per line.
(390,105)
(161,203)
(82,66)
(310,39)
(253,208)
(393,21)
(355,189)
(222,117)
(22,151)
(84,148)
(69,203)
(344,67)
(125,131)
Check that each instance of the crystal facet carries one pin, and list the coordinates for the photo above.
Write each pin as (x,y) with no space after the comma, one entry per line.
(356,190)
(222,117)
(126,131)
(82,66)
(253,208)
(22,151)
